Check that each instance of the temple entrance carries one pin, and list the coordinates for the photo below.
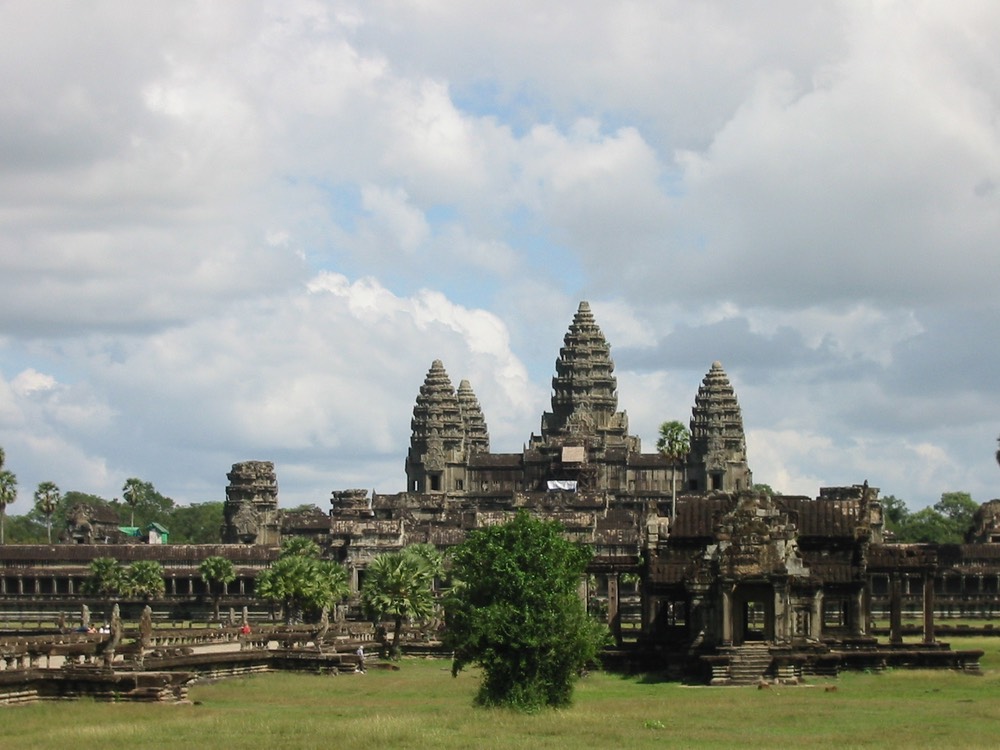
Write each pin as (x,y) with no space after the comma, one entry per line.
(753,613)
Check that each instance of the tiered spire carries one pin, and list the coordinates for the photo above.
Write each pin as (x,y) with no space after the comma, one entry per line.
(477,437)
(584,389)
(718,442)
(437,415)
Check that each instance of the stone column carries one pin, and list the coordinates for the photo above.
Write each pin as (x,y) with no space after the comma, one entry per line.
(816,620)
(727,615)
(895,610)
(780,628)
(614,620)
(858,615)
(928,607)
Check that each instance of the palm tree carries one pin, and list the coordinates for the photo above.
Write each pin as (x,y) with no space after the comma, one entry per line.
(46,500)
(299,580)
(675,444)
(133,493)
(8,492)
(399,586)
(144,579)
(218,571)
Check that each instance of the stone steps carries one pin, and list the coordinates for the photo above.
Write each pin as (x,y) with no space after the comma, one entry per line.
(749,663)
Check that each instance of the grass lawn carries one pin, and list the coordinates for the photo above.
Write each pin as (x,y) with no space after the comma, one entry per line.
(422,706)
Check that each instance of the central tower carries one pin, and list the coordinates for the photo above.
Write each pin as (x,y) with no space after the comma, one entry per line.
(584,389)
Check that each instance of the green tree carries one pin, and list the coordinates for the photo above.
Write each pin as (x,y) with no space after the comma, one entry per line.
(674,443)
(515,610)
(144,580)
(46,501)
(8,492)
(925,525)
(132,493)
(765,489)
(107,581)
(398,585)
(959,508)
(217,572)
(198,523)
(299,580)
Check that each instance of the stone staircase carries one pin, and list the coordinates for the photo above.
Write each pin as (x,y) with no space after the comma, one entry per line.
(749,663)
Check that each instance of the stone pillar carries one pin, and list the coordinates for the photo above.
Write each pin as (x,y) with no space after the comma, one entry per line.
(858,616)
(782,611)
(928,607)
(895,610)
(727,616)
(816,618)
(614,619)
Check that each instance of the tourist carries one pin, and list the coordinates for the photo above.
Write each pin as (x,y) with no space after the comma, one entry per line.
(361,659)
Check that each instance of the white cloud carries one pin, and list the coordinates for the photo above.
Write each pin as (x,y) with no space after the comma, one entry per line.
(235,230)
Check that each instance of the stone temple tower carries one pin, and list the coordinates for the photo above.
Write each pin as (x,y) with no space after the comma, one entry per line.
(718,458)
(446,428)
(251,507)
(585,390)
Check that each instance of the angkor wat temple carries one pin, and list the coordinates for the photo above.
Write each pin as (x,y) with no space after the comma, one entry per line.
(704,568)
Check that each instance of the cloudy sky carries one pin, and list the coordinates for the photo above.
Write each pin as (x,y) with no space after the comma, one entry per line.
(234,231)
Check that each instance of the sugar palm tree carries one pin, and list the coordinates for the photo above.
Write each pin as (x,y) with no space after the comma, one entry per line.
(133,493)
(217,572)
(46,500)
(144,580)
(675,444)
(300,580)
(399,586)
(8,492)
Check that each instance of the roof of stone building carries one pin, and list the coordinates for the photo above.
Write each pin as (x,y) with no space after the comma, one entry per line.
(477,437)
(832,565)
(901,556)
(304,519)
(95,513)
(648,460)
(494,460)
(166,554)
(673,566)
(826,518)
(697,516)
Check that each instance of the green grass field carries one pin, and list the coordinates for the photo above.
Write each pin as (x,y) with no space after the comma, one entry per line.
(422,706)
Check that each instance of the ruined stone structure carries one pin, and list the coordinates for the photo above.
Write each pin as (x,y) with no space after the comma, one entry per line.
(251,508)
(728,577)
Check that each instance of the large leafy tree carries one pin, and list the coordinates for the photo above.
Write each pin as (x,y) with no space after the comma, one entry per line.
(217,572)
(46,501)
(946,522)
(8,492)
(198,523)
(958,508)
(299,580)
(400,586)
(674,443)
(515,610)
